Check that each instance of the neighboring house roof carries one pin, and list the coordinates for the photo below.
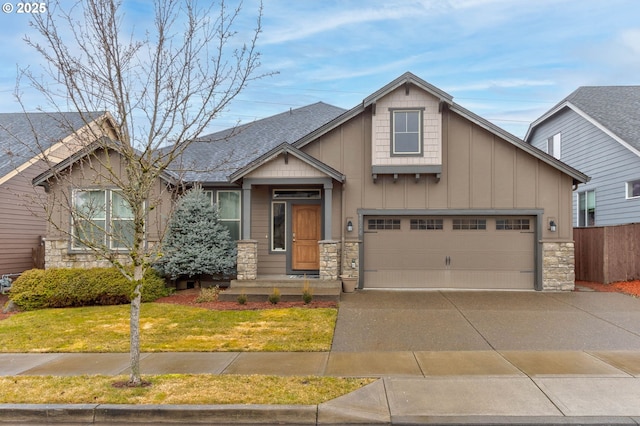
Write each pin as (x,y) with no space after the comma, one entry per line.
(24,136)
(613,109)
(215,157)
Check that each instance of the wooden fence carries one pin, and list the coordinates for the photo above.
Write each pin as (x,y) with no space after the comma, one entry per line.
(608,254)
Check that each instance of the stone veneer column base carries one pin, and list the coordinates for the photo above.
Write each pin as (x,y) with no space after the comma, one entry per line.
(329,259)
(247,260)
(558,266)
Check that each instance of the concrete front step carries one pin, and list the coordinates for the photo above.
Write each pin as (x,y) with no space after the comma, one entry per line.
(291,289)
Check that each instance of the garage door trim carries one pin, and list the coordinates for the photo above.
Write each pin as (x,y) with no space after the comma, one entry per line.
(538,213)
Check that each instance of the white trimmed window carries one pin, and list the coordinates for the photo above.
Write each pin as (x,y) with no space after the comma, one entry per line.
(633,189)
(101,218)
(587,208)
(554,145)
(406,132)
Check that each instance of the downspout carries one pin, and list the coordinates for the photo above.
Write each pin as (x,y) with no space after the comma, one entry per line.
(343,214)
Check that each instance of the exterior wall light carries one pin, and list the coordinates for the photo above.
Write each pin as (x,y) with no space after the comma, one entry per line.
(349,226)
(552,225)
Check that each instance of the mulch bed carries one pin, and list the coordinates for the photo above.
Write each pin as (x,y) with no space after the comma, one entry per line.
(631,288)
(188,298)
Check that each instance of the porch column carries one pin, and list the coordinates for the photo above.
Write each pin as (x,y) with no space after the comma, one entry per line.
(328,203)
(246,210)
(247,260)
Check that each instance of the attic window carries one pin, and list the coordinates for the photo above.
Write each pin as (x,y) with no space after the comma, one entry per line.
(406,132)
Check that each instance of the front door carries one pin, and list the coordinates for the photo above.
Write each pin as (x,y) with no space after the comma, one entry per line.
(305,235)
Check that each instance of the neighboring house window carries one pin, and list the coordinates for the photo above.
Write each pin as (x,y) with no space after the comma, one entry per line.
(101,218)
(278,226)
(554,145)
(633,189)
(587,208)
(406,132)
(228,203)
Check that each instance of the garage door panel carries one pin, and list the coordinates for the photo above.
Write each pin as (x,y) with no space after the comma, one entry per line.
(447,258)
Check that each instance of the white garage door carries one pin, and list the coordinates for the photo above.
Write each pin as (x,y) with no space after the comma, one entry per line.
(449,252)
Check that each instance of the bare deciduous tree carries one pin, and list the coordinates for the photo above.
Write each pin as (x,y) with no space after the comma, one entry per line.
(163,89)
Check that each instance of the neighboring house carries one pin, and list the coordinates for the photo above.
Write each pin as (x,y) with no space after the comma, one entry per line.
(597,131)
(407,190)
(27,142)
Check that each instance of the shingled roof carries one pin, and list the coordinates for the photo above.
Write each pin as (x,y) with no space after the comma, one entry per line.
(213,158)
(614,108)
(25,135)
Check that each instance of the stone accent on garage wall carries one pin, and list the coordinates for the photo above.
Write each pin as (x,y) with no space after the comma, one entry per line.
(558,266)
(351,264)
(329,259)
(247,260)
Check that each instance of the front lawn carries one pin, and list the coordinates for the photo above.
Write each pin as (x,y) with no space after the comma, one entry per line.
(168,328)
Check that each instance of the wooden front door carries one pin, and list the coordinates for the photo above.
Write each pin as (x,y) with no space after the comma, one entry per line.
(305,236)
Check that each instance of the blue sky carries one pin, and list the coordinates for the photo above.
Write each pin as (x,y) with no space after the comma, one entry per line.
(506,60)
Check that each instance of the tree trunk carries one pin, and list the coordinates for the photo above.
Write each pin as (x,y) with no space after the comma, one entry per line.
(135,379)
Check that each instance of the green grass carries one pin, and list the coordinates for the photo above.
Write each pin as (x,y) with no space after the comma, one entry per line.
(168,328)
(176,389)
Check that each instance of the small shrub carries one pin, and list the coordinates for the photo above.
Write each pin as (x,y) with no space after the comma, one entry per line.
(242,298)
(208,294)
(69,287)
(274,297)
(307,293)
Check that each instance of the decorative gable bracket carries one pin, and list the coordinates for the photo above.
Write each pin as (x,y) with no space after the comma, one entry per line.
(417,171)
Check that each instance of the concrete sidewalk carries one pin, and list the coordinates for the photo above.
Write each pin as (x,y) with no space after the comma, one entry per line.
(461,387)
(442,358)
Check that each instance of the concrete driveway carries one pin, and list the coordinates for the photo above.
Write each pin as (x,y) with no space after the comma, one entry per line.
(376,320)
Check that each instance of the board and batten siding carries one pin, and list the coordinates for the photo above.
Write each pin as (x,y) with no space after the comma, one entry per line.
(480,171)
(609,164)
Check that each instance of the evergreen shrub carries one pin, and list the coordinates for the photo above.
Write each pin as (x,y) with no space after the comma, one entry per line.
(196,242)
(61,288)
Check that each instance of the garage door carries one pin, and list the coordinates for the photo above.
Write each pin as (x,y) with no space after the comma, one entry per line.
(449,252)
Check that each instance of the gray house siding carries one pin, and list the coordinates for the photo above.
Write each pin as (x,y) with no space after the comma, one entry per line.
(609,164)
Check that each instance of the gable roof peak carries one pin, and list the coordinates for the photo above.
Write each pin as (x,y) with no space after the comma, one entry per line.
(408,78)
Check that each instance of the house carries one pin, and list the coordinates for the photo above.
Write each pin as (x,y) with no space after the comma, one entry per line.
(408,189)
(597,130)
(28,141)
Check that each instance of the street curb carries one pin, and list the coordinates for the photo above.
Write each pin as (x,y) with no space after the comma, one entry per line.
(88,414)
(151,414)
